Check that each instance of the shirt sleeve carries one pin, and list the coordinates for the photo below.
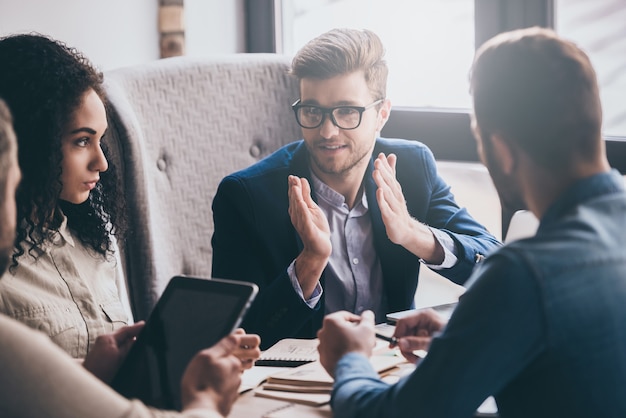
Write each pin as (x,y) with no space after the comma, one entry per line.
(317,292)
(40,380)
(449,250)
(495,332)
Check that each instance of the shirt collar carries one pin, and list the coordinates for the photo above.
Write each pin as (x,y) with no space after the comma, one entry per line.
(332,197)
(60,236)
(583,190)
(64,232)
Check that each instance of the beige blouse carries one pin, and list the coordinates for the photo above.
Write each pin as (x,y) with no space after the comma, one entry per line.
(68,292)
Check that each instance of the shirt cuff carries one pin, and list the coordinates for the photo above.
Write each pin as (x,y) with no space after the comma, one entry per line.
(449,250)
(317,292)
(354,365)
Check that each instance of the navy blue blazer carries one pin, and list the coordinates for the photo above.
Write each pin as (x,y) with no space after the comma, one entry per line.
(255,241)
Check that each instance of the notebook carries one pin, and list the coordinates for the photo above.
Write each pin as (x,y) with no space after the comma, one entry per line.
(290,352)
(314,374)
(192,314)
(310,384)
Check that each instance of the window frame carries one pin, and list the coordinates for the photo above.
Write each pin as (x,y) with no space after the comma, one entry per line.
(446,132)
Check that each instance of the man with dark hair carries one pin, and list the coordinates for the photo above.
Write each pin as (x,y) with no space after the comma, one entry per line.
(38,379)
(541,326)
(342,219)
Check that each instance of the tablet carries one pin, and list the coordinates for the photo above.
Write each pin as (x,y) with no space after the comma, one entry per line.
(191,315)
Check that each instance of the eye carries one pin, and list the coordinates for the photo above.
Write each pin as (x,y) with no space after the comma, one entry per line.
(81,142)
(346,111)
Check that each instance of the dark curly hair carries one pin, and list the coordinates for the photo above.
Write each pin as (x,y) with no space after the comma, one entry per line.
(43,81)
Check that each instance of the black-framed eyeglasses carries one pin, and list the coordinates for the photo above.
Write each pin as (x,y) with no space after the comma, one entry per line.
(343,117)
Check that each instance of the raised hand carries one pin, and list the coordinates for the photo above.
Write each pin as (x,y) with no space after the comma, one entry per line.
(390,198)
(312,227)
(401,227)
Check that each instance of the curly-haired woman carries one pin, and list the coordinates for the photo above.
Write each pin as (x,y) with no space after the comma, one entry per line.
(64,279)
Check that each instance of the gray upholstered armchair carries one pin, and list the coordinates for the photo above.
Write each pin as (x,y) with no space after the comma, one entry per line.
(177,127)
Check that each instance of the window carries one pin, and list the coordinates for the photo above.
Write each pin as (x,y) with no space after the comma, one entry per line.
(599,28)
(430,93)
(439,36)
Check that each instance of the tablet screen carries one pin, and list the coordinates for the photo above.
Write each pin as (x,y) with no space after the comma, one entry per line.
(191,315)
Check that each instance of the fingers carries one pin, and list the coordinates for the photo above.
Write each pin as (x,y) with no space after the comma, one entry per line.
(294,187)
(390,197)
(345,316)
(212,378)
(309,221)
(306,193)
(343,332)
(294,193)
(410,344)
(248,350)
(392,159)
(414,356)
(225,346)
(247,341)
(385,177)
(415,333)
(367,318)
(298,206)
(423,322)
(386,165)
(128,333)
(300,192)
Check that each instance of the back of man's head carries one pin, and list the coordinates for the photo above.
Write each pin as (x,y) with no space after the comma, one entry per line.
(344,51)
(540,92)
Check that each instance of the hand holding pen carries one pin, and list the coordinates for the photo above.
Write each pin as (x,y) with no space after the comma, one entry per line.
(414,333)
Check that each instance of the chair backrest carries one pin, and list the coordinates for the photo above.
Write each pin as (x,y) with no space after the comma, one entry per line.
(523,224)
(473,189)
(177,127)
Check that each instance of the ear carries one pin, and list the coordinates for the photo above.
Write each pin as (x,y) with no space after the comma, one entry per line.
(383,114)
(504,153)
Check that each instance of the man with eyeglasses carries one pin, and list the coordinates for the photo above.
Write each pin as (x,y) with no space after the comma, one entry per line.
(341,219)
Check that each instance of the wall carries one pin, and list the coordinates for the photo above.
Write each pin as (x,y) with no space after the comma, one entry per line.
(118,33)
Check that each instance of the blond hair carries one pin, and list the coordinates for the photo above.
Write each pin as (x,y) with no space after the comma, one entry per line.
(344,51)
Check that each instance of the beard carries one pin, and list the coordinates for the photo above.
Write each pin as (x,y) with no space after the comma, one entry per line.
(508,190)
(340,166)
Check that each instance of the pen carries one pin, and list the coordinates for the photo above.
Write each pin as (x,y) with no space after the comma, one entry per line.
(391,340)
(394,342)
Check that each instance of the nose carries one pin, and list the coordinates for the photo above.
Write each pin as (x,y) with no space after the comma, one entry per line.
(99,161)
(328,129)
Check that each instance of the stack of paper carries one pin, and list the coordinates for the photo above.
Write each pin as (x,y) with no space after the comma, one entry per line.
(290,352)
(310,384)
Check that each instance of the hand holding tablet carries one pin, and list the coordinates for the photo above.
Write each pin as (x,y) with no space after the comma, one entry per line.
(192,315)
